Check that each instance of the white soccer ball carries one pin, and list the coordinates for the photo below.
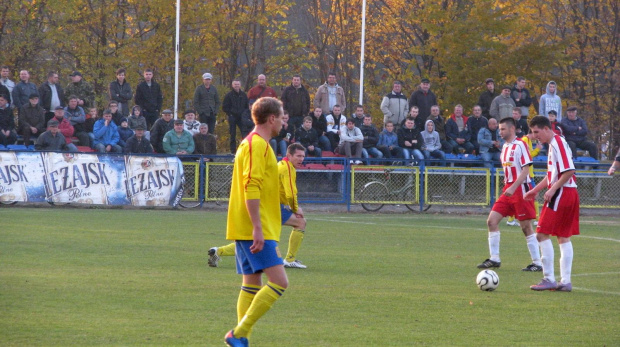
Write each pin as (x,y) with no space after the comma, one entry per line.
(487,280)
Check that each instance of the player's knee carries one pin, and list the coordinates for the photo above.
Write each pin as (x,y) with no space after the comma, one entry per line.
(302,224)
(491,223)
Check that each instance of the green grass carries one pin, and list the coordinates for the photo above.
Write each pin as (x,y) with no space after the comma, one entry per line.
(139,277)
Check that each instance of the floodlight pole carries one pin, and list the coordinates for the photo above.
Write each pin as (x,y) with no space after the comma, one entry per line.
(176,61)
(361,98)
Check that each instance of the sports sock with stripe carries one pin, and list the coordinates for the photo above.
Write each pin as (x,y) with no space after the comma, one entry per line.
(260,305)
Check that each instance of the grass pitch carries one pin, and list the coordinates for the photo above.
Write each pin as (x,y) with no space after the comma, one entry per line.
(139,277)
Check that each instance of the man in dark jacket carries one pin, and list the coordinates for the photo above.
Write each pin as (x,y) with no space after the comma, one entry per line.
(23,89)
(138,143)
(486,98)
(31,119)
(235,103)
(149,97)
(7,122)
(576,131)
(120,91)
(307,137)
(457,132)
(521,96)
(423,98)
(474,124)
(75,114)
(53,139)
(319,123)
(371,138)
(82,89)
(521,125)
(51,95)
(207,102)
(410,140)
(159,129)
(296,101)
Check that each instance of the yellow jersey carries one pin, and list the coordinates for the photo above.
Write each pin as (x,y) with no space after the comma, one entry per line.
(255,176)
(288,184)
(533,152)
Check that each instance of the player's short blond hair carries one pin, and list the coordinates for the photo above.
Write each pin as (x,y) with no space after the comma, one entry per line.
(265,107)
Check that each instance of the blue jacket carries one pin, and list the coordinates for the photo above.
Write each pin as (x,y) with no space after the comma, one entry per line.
(452,129)
(571,130)
(105,135)
(124,135)
(387,139)
(485,139)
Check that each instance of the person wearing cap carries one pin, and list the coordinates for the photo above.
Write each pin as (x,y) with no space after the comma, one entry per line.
(486,98)
(31,119)
(178,141)
(81,89)
(550,101)
(159,129)
(5,81)
(106,135)
(576,132)
(65,127)
(424,99)
(53,139)
(190,123)
(51,95)
(23,90)
(76,115)
(330,94)
(204,142)
(120,91)
(138,143)
(7,122)
(207,102)
(502,105)
(149,97)
(261,89)
(234,105)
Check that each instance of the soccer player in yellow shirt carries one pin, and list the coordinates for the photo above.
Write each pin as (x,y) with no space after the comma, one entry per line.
(290,212)
(254,220)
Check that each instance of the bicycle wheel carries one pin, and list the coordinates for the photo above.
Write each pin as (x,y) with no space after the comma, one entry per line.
(373,191)
(190,197)
(416,208)
(8,202)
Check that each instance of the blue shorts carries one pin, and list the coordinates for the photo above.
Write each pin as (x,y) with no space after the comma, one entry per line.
(248,263)
(285,213)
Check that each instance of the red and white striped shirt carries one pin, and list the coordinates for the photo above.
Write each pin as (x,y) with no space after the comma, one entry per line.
(515,155)
(559,161)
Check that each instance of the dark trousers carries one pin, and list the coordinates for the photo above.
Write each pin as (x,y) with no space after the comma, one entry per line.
(8,140)
(150,118)
(48,116)
(27,134)
(209,119)
(83,137)
(234,122)
(334,139)
(585,145)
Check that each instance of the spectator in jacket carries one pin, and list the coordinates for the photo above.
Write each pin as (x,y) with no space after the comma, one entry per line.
(424,99)
(5,73)
(120,91)
(149,97)
(371,139)
(550,101)
(307,137)
(394,106)
(414,113)
(319,123)
(457,132)
(330,94)
(51,95)
(576,132)
(521,127)
(555,125)
(432,143)
(138,143)
(280,143)
(235,103)
(76,116)
(190,123)
(440,128)
(178,141)
(410,140)
(204,142)
(388,142)
(53,139)
(358,116)
(65,128)
(81,89)
(351,142)
(296,101)
(490,143)
(116,113)
(261,89)
(136,118)
(474,124)
(106,135)
(159,129)
(521,97)
(502,105)
(336,121)
(486,98)
(23,90)
(8,136)
(124,133)
(207,102)
(31,119)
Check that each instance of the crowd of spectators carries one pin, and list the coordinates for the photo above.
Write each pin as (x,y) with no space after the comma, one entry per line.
(412,128)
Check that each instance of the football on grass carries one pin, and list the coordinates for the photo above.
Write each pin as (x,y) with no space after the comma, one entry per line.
(487,280)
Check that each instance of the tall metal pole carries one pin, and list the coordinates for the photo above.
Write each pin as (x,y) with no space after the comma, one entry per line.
(176,61)
(361,99)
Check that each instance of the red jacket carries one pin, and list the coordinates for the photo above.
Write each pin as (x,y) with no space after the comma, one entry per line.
(66,129)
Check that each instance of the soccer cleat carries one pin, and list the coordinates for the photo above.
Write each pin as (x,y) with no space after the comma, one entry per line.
(545,284)
(232,341)
(487,264)
(213,257)
(294,264)
(564,287)
(513,223)
(532,268)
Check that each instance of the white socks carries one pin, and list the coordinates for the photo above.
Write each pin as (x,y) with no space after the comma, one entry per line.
(532,245)
(546,250)
(566,261)
(494,245)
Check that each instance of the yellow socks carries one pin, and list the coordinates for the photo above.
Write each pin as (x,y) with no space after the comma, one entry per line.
(260,305)
(511,218)
(246,295)
(294,242)
(225,251)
